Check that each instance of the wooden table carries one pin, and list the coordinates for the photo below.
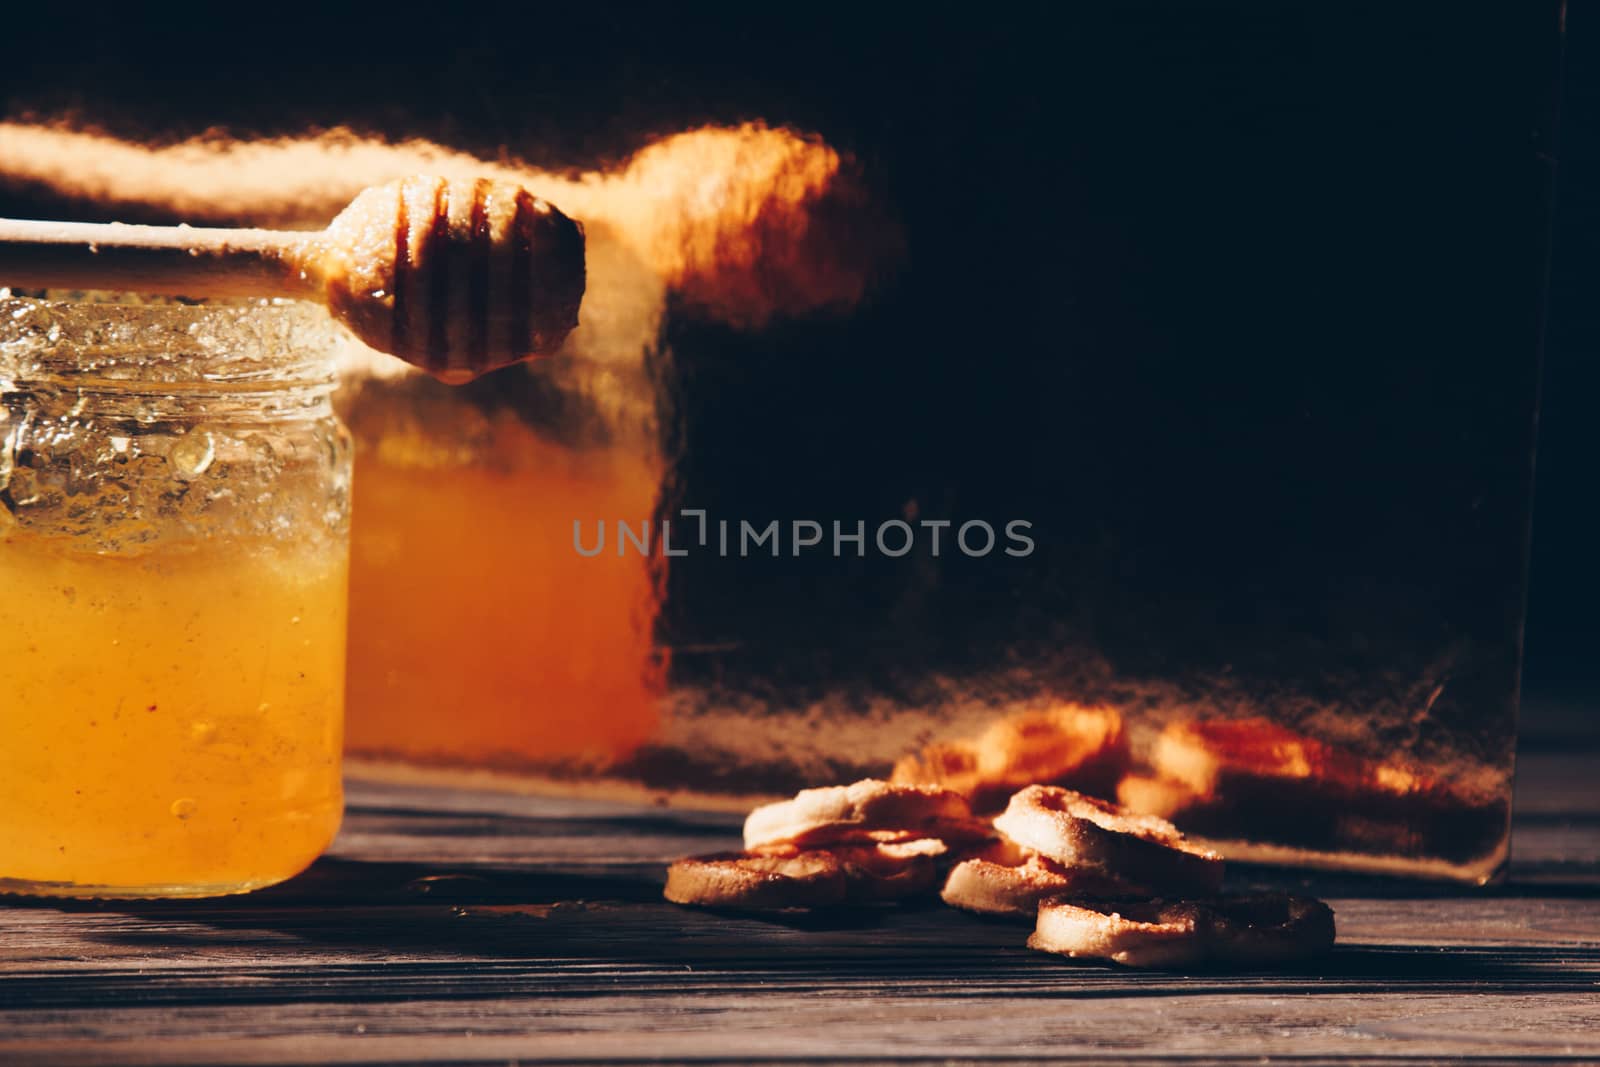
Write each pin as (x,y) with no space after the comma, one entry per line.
(466,928)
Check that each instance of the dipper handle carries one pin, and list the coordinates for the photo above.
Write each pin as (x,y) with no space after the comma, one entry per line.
(174,260)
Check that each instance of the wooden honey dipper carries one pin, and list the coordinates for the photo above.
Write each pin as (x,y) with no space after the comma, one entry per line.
(456,277)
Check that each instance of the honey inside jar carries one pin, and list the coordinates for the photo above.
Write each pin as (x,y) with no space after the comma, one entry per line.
(479,635)
(174,521)
(171,717)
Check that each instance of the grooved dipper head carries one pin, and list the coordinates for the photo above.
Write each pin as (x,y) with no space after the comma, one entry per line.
(455,277)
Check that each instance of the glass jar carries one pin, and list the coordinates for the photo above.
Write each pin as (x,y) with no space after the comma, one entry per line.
(174,517)
(529,658)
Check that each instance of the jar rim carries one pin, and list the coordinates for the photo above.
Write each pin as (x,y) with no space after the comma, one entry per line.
(117,343)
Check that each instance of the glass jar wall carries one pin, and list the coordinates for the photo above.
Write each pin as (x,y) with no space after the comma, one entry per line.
(174,517)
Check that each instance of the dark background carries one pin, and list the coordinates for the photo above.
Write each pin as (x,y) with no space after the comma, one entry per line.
(956,114)
(1563,650)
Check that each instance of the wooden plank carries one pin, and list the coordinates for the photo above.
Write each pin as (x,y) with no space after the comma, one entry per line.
(617,980)
(750,1026)
(475,928)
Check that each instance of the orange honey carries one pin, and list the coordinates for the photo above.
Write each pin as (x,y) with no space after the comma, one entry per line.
(478,634)
(171,718)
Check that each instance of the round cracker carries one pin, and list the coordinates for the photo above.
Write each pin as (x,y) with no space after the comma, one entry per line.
(868,810)
(757,882)
(879,871)
(1078,831)
(891,870)
(1253,930)
(1005,879)
(1135,933)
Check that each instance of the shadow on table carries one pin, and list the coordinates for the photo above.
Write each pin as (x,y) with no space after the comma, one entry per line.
(353,930)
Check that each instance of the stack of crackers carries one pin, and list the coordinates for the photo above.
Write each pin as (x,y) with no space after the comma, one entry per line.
(1097,880)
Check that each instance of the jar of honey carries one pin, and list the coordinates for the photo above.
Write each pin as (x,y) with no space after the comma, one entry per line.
(174,529)
(479,637)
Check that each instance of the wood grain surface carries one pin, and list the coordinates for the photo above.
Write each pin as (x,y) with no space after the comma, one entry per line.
(451,927)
